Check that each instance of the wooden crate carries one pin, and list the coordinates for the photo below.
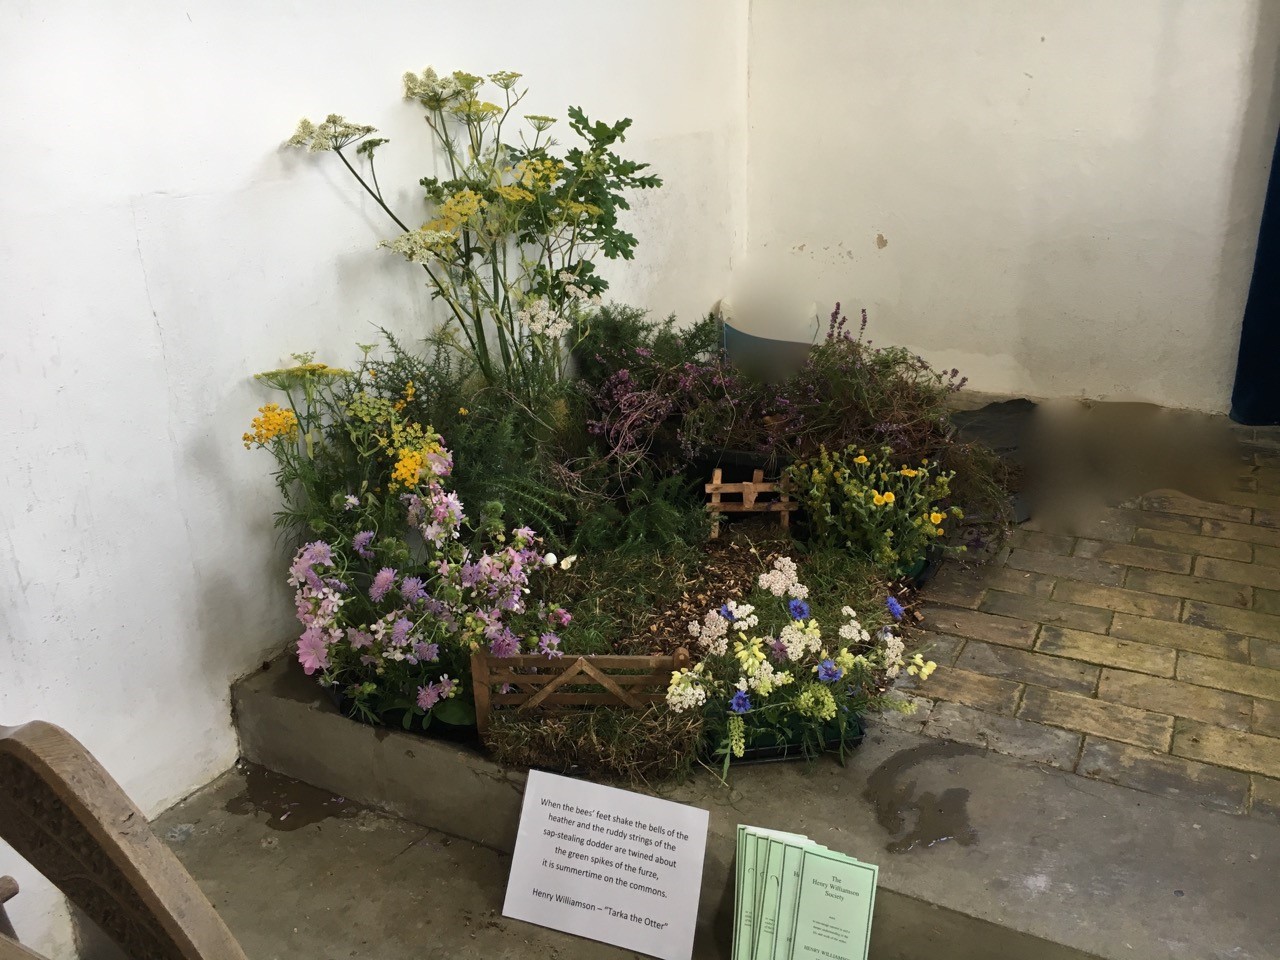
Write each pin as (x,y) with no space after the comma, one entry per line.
(776,498)
(535,681)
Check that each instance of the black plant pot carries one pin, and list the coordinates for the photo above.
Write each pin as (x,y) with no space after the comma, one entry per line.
(770,753)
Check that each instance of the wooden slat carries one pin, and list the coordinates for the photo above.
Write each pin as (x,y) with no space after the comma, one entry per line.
(607,661)
(574,670)
(497,677)
(575,699)
(739,487)
(570,681)
(607,682)
(774,507)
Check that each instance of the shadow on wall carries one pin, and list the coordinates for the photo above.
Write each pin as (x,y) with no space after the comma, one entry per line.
(1090,343)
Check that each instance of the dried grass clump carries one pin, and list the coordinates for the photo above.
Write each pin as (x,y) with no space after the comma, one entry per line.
(610,743)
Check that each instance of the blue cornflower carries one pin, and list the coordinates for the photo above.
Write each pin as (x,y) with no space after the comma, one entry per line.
(799,610)
(727,613)
(828,672)
(895,608)
(740,703)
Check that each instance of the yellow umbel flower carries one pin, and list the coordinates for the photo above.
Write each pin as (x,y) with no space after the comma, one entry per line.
(457,211)
(537,173)
(271,422)
(510,191)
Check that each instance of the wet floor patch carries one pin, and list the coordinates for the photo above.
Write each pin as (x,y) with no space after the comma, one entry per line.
(916,818)
(289,804)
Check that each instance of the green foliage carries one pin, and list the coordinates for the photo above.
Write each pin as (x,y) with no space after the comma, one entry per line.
(873,506)
(615,335)
(651,513)
(497,458)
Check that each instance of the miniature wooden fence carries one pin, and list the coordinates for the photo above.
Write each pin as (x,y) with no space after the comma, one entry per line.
(750,491)
(530,681)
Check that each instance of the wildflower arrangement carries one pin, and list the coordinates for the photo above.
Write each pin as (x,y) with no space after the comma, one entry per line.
(512,231)
(400,586)
(873,505)
(768,672)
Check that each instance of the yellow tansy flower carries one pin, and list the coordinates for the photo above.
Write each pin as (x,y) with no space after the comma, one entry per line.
(271,422)
(408,467)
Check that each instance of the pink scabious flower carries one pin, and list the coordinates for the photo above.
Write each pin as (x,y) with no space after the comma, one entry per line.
(505,644)
(360,544)
(433,693)
(313,650)
(400,631)
(382,584)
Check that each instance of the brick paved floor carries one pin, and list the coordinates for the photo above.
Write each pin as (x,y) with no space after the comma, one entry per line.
(1142,650)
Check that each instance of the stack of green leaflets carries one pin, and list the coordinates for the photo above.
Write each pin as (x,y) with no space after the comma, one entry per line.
(797,900)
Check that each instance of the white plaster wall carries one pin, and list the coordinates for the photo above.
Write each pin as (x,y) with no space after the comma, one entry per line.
(1068,191)
(156,248)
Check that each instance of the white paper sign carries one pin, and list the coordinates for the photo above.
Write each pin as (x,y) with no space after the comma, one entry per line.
(608,864)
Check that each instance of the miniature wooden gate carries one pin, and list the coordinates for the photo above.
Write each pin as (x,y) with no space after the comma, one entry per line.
(530,681)
(750,491)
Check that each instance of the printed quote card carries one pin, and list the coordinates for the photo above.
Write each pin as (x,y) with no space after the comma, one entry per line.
(608,864)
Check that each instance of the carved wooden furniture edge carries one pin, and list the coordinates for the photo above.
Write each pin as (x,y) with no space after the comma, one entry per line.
(97,805)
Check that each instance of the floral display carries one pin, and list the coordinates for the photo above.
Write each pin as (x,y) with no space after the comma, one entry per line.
(769,674)
(393,598)
(577,426)
(875,505)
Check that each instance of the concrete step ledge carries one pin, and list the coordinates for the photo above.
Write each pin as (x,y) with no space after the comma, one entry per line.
(1059,868)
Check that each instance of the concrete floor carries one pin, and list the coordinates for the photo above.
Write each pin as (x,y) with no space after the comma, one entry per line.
(296,872)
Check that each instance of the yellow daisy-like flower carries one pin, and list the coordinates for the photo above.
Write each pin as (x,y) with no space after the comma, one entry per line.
(890,497)
(861,459)
(463,411)
(907,472)
(936,518)
(877,499)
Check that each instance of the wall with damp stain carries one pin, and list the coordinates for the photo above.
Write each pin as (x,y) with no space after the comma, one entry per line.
(1060,197)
